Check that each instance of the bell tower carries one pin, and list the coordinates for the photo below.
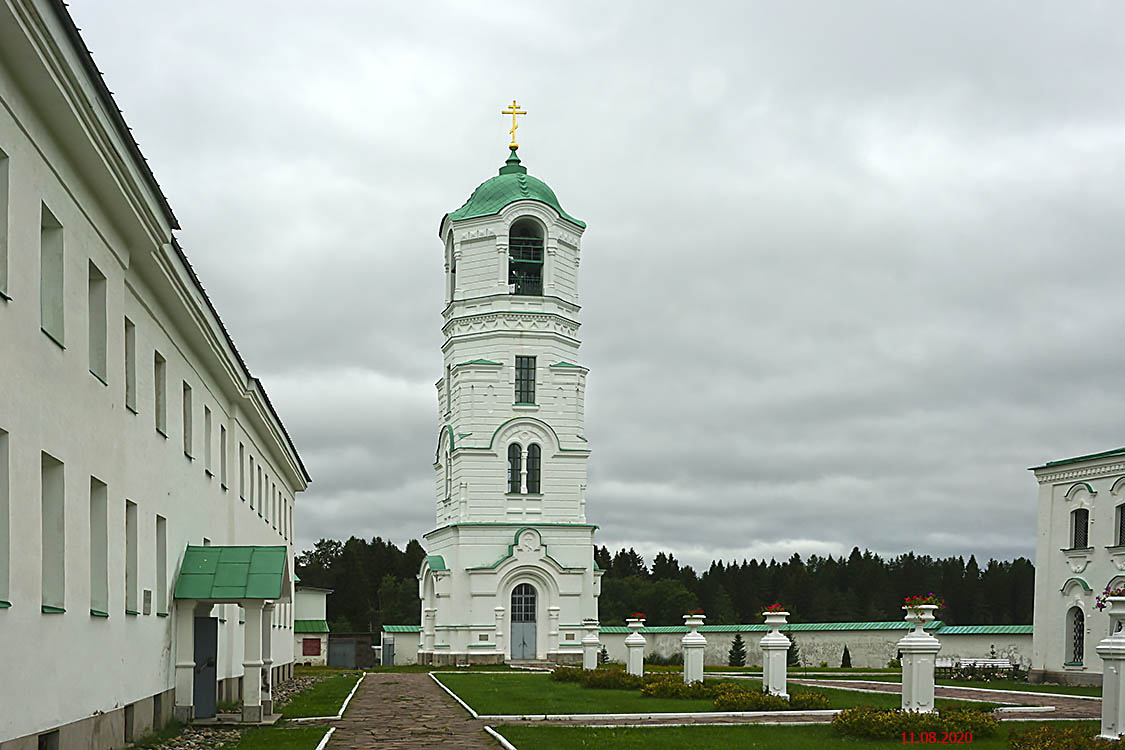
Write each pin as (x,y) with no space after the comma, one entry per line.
(510,574)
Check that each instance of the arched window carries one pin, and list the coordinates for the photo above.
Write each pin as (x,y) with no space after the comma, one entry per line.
(533,469)
(448,475)
(515,458)
(1080,528)
(1076,635)
(1120,540)
(525,258)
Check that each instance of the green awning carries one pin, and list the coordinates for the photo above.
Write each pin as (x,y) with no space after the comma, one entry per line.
(310,626)
(436,562)
(232,573)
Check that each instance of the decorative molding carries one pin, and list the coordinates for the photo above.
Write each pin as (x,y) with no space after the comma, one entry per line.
(505,321)
(1117,467)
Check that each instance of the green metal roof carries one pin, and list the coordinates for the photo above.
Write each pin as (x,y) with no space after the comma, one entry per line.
(511,185)
(479,362)
(1087,457)
(232,573)
(401,628)
(985,630)
(436,562)
(310,626)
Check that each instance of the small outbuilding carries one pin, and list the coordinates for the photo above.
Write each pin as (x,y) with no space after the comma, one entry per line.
(310,625)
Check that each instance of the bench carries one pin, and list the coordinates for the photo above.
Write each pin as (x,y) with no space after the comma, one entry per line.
(987,663)
(945,666)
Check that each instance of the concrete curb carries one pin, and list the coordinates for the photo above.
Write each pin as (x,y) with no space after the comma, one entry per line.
(457,698)
(324,740)
(498,737)
(343,706)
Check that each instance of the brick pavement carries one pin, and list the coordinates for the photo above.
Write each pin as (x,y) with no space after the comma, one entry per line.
(397,710)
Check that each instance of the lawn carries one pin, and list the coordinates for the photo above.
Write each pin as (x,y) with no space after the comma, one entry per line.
(1093,690)
(280,738)
(322,699)
(759,737)
(534,694)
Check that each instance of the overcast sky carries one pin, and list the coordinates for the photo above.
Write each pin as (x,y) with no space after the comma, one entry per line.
(850,268)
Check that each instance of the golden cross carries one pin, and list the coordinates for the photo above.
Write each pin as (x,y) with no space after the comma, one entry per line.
(513,111)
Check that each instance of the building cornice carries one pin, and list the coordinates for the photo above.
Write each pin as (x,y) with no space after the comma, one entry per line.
(1044,476)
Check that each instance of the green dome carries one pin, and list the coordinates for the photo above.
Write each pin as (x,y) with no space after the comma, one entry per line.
(511,185)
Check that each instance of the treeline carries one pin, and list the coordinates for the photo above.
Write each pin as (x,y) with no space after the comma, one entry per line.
(375,584)
(861,587)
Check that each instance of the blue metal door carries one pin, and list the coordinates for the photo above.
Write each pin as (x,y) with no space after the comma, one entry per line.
(206,653)
(523,622)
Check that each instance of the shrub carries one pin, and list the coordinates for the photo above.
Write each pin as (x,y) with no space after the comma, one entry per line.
(611,679)
(736,698)
(672,686)
(894,664)
(675,660)
(846,660)
(566,674)
(889,724)
(1046,737)
(808,701)
(736,657)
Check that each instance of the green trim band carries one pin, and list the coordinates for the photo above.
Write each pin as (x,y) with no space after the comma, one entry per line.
(98,613)
(165,614)
(1072,664)
(132,612)
(1075,579)
(567,364)
(49,610)
(4,604)
(441,645)
(479,362)
(482,645)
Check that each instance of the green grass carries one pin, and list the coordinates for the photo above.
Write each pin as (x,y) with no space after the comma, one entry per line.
(279,738)
(536,694)
(322,699)
(156,739)
(807,737)
(1094,690)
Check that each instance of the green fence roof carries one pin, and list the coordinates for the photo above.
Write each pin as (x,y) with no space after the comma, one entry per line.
(219,572)
(401,628)
(985,630)
(310,626)
(937,627)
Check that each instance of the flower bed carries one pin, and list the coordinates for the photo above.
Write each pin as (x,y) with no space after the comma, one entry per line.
(892,724)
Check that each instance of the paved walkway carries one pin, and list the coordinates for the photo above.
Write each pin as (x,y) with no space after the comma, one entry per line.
(397,710)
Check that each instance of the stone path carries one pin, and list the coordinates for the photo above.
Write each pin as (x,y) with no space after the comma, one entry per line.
(397,710)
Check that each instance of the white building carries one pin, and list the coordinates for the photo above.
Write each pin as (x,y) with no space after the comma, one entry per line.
(133,439)
(1080,548)
(310,625)
(511,571)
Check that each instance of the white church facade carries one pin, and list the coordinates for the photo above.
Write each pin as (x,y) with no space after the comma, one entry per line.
(147,485)
(1080,549)
(510,573)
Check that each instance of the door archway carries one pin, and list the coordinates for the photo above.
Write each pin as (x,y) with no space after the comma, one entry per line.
(523,621)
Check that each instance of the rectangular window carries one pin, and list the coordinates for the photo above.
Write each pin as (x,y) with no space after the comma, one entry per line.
(95,299)
(131,558)
(3,224)
(242,471)
(187,420)
(223,456)
(1120,524)
(53,525)
(1080,528)
(5,537)
(99,549)
(251,489)
(258,494)
(130,366)
(51,276)
(448,389)
(162,565)
(207,439)
(160,392)
(525,380)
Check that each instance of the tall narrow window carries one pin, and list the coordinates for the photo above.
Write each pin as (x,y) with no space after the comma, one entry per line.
(525,380)
(53,524)
(525,258)
(253,487)
(3,224)
(258,492)
(223,456)
(162,565)
(95,299)
(1076,635)
(51,276)
(160,392)
(448,475)
(130,366)
(242,471)
(99,549)
(131,558)
(5,531)
(515,459)
(452,276)
(1080,528)
(187,420)
(533,469)
(207,439)
(448,390)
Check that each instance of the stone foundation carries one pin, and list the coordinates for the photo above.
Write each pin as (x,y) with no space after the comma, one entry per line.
(111,729)
(453,659)
(1064,678)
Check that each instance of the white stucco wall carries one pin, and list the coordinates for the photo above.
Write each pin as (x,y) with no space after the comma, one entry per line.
(75,664)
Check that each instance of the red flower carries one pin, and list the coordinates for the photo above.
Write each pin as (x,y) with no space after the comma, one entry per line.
(638,615)
(912,602)
(696,611)
(775,607)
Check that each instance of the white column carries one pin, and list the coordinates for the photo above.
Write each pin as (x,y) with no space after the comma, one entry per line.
(1112,651)
(919,650)
(775,655)
(267,659)
(590,644)
(428,615)
(252,662)
(498,612)
(693,645)
(502,252)
(185,660)
(635,643)
(553,629)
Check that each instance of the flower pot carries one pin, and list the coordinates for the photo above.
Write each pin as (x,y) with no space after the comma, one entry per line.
(920,615)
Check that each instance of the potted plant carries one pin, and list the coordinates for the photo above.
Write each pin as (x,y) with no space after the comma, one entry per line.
(920,609)
(775,615)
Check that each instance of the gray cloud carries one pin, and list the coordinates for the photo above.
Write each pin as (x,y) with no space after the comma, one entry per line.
(848,271)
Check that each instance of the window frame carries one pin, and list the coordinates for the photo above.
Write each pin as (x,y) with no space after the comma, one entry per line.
(525,380)
(515,469)
(534,462)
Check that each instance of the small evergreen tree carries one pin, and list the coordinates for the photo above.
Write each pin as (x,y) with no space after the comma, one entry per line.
(736,657)
(603,657)
(846,662)
(793,655)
